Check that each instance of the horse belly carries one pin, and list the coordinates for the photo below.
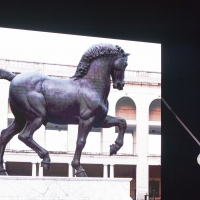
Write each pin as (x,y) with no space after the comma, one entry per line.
(62,110)
(61,113)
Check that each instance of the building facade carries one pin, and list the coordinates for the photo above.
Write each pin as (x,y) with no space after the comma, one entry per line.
(139,158)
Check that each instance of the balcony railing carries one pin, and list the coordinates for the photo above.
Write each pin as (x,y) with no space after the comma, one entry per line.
(65,71)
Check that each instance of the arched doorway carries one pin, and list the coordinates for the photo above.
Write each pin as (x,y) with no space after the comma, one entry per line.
(155,110)
(126,108)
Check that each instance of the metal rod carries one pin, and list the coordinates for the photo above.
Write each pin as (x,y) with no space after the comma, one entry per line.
(181,122)
(154,194)
(134,193)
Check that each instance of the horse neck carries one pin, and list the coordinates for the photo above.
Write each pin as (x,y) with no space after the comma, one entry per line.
(99,75)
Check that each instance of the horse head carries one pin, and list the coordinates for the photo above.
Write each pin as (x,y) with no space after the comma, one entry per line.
(116,55)
(118,69)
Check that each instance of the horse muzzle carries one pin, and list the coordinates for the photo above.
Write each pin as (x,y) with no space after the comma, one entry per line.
(118,86)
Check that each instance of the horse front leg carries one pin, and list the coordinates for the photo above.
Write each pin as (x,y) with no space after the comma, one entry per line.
(84,128)
(121,124)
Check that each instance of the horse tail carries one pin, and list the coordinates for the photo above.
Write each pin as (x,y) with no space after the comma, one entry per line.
(4,74)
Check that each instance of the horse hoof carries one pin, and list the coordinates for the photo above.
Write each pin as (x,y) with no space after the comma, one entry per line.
(3,173)
(46,165)
(81,174)
(112,150)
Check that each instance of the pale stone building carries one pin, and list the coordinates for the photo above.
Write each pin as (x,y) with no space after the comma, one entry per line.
(140,157)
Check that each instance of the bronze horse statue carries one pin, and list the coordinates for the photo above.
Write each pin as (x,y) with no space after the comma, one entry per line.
(37,99)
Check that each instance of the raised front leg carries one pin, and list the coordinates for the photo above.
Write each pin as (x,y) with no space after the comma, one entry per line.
(121,124)
(84,128)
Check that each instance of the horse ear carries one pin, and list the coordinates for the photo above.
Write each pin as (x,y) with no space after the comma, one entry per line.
(127,54)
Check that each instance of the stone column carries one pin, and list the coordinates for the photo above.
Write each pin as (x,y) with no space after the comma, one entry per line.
(142,131)
(112,171)
(109,138)
(40,135)
(70,171)
(4,164)
(4,88)
(105,171)
(134,142)
(72,137)
(101,142)
(108,134)
(34,167)
(40,171)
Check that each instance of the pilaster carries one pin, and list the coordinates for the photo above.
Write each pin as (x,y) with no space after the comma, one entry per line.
(142,170)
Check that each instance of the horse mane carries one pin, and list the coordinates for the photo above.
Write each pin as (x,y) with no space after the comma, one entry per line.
(94,52)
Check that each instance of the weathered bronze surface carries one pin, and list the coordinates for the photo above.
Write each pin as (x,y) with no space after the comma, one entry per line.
(37,99)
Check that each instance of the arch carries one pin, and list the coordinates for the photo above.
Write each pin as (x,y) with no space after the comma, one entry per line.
(126,108)
(155,110)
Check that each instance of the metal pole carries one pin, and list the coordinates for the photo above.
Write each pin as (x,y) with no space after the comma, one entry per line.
(181,122)
(154,194)
(145,197)
(134,193)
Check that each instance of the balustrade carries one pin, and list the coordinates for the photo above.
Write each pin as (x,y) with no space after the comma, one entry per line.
(66,71)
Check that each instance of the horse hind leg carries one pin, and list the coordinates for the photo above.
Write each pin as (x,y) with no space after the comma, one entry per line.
(26,136)
(6,135)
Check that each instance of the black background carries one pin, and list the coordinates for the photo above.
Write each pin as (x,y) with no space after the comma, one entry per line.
(176,26)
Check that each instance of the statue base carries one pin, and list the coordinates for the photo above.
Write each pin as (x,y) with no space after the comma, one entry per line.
(75,188)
